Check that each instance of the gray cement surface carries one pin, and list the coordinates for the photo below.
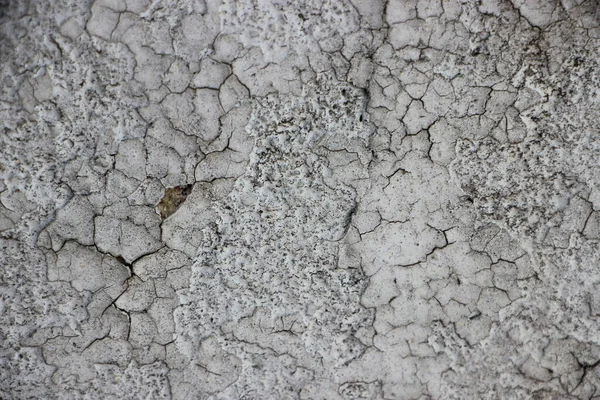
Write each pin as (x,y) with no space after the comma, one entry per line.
(299,199)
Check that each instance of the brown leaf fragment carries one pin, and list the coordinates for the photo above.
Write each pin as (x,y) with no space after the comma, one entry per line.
(173,198)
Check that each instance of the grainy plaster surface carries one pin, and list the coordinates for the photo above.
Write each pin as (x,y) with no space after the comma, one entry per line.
(299,199)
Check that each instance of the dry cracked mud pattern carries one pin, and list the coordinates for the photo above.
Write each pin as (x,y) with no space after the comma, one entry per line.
(299,199)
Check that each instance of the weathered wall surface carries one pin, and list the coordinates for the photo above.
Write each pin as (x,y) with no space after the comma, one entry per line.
(314,199)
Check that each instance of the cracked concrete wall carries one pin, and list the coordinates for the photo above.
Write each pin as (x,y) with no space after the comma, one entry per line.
(340,199)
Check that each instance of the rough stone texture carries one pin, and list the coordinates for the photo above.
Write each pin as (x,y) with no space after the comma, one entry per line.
(315,199)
